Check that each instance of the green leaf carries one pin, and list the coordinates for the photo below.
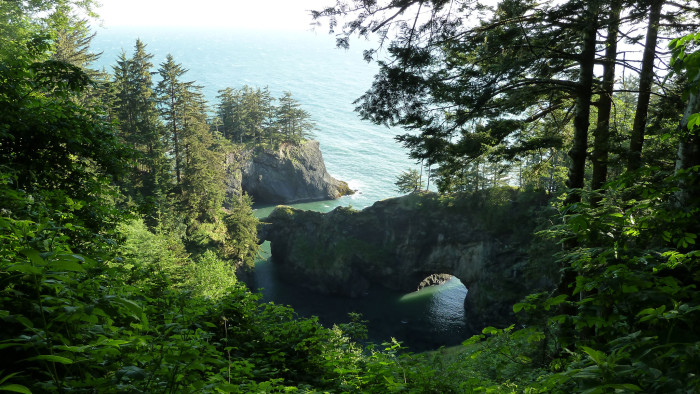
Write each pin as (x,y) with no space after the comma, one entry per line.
(15,388)
(555,301)
(597,356)
(626,386)
(71,257)
(490,331)
(24,321)
(115,342)
(62,265)
(134,308)
(558,319)
(73,349)
(24,268)
(629,289)
(33,256)
(578,222)
(52,358)
(693,120)
(6,377)
(524,359)
(667,236)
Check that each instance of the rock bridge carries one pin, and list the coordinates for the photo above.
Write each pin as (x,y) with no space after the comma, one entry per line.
(485,239)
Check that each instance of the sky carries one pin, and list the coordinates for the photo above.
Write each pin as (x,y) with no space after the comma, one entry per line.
(238,14)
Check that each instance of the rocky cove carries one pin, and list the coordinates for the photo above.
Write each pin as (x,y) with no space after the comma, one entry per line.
(485,239)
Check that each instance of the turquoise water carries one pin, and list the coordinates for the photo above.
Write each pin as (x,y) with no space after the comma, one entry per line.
(326,81)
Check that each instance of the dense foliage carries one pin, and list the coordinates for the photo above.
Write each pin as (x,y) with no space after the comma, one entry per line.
(118,258)
(514,84)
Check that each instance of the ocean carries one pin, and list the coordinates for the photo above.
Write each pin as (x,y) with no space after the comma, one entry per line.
(326,81)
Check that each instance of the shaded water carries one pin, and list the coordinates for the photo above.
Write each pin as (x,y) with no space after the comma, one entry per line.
(422,320)
(325,81)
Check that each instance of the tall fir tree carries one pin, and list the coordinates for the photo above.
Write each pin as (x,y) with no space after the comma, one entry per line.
(171,99)
(294,123)
(141,129)
(199,163)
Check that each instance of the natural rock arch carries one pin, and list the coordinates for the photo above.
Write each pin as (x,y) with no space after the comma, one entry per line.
(483,239)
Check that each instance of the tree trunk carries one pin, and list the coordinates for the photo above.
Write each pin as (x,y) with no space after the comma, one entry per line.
(689,151)
(583,108)
(602,132)
(645,80)
(578,151)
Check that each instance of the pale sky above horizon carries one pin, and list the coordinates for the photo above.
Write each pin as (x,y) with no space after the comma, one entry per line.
(239,14)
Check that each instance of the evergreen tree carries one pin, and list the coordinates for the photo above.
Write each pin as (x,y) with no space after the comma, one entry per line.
(646,75)
(33,22)
(172,101)
(248,115)
(229,115)
(199,163)
(462,88)
(72,45)
(408,181)
(141,129)
(601,144)
(294,122)
(467,88)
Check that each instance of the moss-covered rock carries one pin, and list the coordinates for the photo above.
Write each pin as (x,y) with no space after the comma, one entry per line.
(483,238)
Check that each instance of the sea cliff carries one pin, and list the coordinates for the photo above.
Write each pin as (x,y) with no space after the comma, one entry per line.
(292,173)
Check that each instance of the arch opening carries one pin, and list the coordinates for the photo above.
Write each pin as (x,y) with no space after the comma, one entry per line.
(439,287)
(434,280)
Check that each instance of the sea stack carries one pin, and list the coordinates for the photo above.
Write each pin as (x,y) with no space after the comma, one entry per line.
(292,173)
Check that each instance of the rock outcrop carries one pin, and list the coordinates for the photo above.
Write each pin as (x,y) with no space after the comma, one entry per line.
(291,174)
(484,239)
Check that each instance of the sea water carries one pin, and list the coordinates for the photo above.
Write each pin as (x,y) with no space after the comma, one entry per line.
(326,81)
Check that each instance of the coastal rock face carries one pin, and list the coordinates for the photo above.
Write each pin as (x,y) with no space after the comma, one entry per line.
(291,174)
(484,239)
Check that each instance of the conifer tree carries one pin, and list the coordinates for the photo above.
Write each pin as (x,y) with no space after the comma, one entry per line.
(199,163)
(172,100)
(294,122)
(646,75)
(461,87)
(227,112)
(268,124)
(249,115)
(72,45)
(601,144)
(408,181)
(141,129)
